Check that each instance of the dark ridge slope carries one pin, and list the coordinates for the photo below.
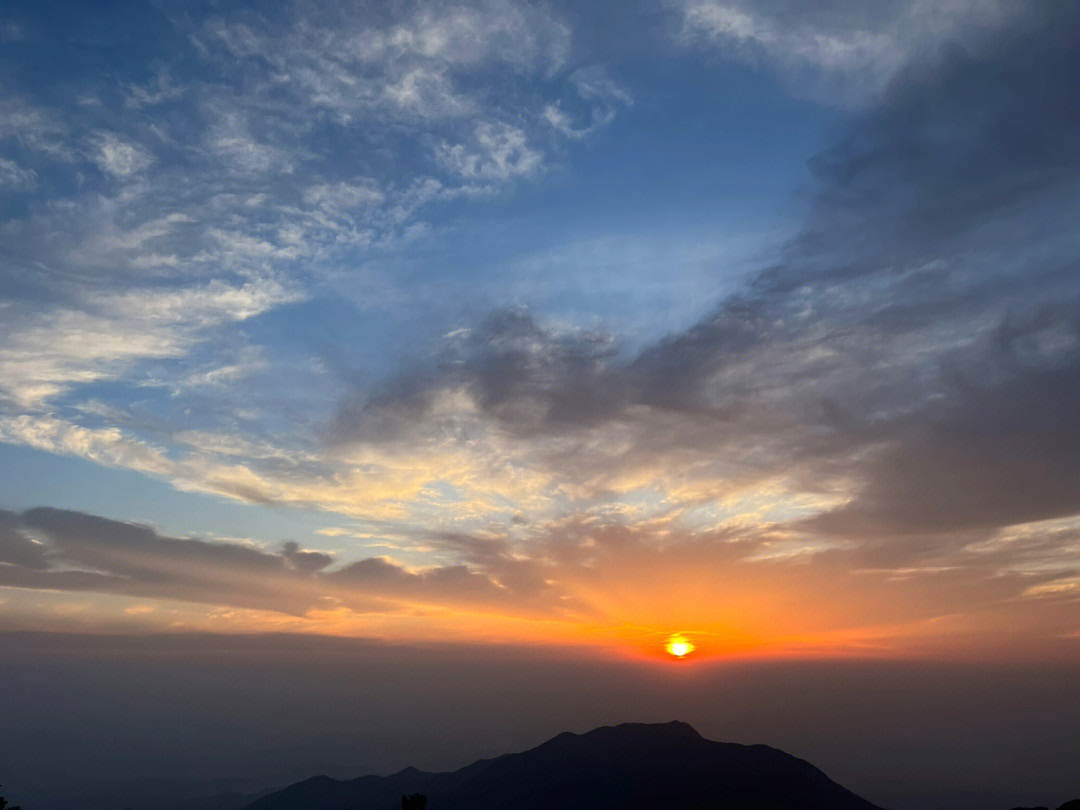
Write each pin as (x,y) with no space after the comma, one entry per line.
(629,767)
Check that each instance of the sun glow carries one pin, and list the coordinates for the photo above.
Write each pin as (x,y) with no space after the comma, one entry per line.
(679,646)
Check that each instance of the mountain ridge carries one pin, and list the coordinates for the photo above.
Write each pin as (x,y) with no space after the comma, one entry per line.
(629,766)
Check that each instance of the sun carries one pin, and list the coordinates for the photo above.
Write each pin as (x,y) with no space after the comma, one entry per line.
(679,646)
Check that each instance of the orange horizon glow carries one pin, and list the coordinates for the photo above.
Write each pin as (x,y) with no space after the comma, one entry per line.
(921,640)
(622,605)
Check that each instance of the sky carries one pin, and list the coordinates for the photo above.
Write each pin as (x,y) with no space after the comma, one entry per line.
(560,327)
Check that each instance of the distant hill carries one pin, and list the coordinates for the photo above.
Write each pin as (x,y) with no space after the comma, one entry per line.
(147,794)
(628,767)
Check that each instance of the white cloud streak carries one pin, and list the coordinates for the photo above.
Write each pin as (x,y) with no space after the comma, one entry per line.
(44,353)
(840,52)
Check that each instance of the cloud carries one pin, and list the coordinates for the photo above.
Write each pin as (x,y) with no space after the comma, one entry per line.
(498,153)
(279,150)
(236,150)
(841,52)
(44,352)
(734,591)
(987,453)
(157,91)
(603,97)
(528,377)
(13,177)
(69,551)
(849,49)
(32,127)
(404,66)
(911,355)
(119,158)
(341,197)
(16,549)
(397,66)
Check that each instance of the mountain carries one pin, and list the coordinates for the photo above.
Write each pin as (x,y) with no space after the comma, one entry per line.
(148,794)
(629,767)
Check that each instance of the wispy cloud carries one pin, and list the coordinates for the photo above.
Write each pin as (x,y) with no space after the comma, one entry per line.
(117,157)
(43,355)
(15,178)
(844,52)
(216,199)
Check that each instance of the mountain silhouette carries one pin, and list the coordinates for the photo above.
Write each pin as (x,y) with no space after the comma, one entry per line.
(630,767)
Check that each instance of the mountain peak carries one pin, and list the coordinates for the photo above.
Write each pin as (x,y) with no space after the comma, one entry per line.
(658,731)
(672,728)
